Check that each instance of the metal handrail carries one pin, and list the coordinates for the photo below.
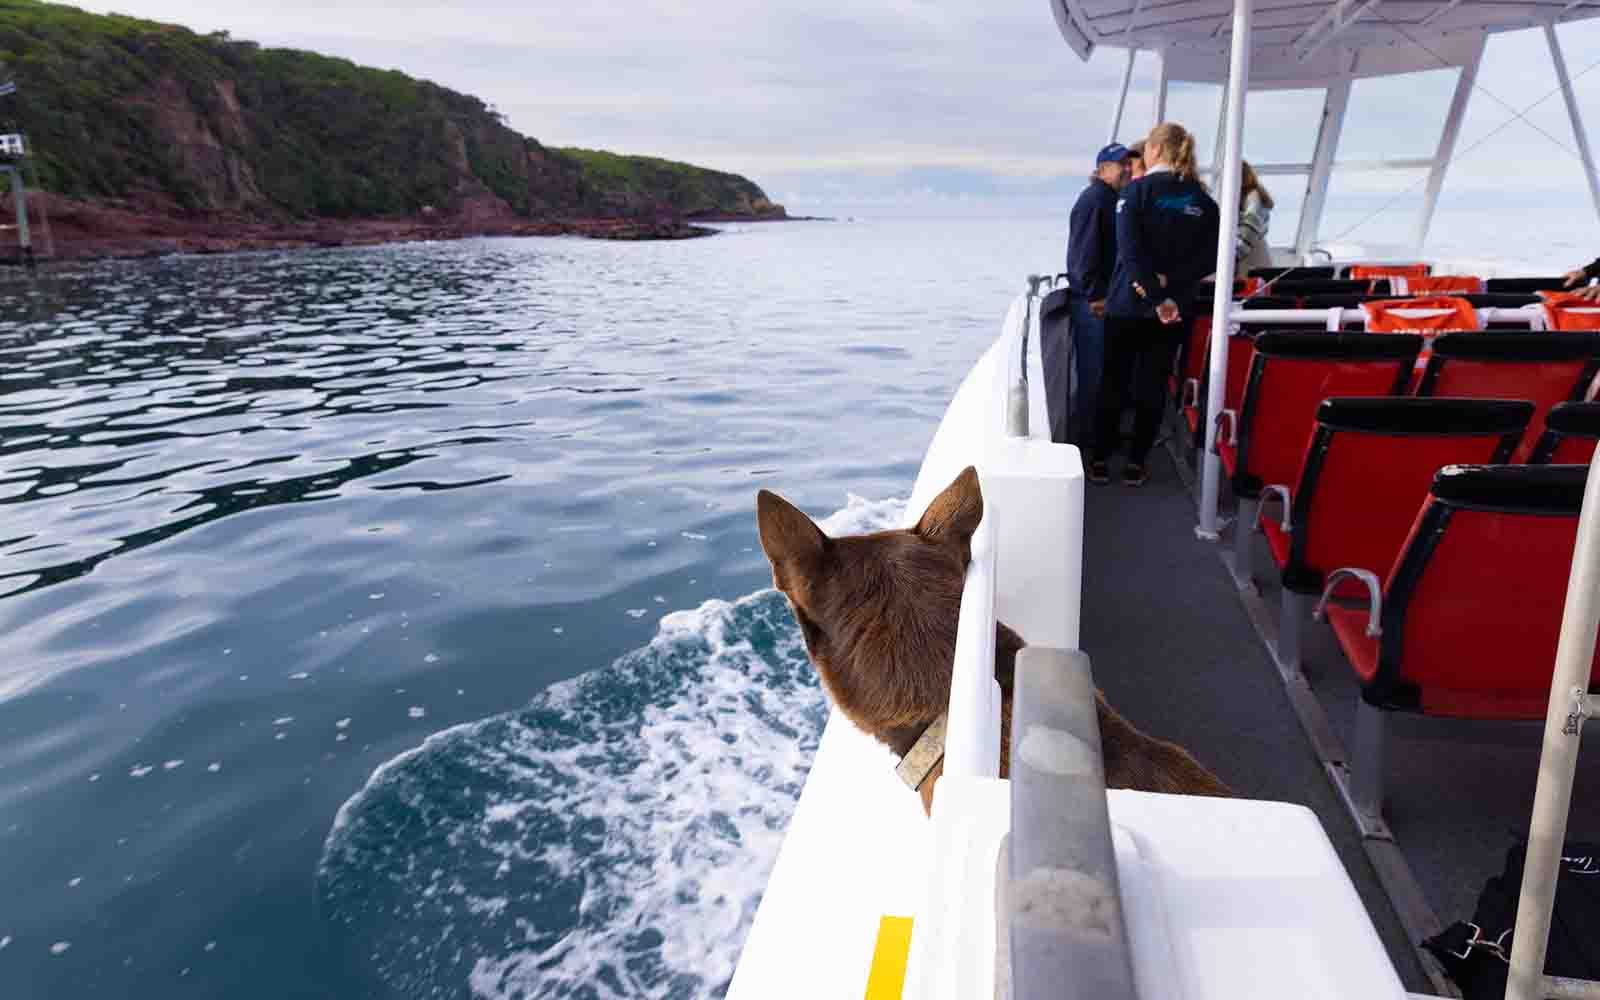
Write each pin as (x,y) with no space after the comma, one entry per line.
(1569,707)
(1068,938)
(1533,314)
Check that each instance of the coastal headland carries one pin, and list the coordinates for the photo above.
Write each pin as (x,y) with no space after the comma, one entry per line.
(146,138)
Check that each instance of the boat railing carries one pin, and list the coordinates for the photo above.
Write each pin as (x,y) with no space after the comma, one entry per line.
(1023,329)
(972,741)
(1335,318)
(1062,908)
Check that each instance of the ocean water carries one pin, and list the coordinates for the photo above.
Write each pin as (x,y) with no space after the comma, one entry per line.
(392,622)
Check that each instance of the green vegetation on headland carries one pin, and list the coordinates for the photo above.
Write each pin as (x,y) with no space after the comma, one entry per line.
(135,116)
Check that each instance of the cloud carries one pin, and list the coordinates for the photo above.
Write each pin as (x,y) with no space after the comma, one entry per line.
(877,98)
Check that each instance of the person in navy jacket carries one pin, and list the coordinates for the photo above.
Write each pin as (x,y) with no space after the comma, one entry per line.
(1167,229)
(1091,255)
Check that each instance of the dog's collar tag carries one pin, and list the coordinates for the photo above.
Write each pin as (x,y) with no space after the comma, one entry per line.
(924,755)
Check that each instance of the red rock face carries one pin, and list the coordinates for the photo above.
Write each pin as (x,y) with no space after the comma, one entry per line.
(76,229)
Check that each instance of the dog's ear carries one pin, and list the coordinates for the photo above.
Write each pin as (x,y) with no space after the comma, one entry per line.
(954,514)
(791,540)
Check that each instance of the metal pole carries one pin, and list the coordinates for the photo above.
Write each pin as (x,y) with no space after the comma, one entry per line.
(1215,171)
(1222,303)
(1333,109)
(20,199)
(1563,729)
(1162,80)
(1578,132)
(1447,141)
(1122,96)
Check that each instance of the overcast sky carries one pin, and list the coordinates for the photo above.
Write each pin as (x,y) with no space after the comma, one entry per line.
(868,98)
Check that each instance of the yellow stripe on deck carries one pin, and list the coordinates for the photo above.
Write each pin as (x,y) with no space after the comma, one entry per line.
(887,979)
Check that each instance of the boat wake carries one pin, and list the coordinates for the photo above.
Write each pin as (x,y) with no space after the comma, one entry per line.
(612,839)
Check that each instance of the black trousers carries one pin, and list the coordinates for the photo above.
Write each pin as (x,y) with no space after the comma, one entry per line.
(1139,356)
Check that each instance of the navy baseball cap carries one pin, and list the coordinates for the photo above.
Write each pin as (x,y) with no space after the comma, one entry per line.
(1114,153)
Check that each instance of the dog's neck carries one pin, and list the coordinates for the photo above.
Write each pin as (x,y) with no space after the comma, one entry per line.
(900,739)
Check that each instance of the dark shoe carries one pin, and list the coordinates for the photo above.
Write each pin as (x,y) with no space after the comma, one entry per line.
(1099,473)
(1134,474)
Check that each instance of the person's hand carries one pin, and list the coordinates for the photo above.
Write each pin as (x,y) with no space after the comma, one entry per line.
(1167,312)
(1138,288)
(1589,294)
(1577,277)
(1097,308)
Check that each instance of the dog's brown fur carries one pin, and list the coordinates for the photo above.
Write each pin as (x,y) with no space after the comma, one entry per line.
(878,613)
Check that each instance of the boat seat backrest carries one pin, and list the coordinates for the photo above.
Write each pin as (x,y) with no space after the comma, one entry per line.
(1417,270)
(1298,287)
(1473,606)
(1319,273)
(1442,284)
(1502,300)
(1570,433)
(1544,369)
(1525,285)
(1290,375)
(1193,363)
(1368,468)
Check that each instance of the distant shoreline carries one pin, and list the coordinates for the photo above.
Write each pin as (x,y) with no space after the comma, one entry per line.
(84,230)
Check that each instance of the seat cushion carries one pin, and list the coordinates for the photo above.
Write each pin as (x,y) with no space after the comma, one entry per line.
(1229,455)
(1277,538)
(1350,628)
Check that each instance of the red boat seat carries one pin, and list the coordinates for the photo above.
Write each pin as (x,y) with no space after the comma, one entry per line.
(1367,470)
(1194,363)
(1570,433)
(1469,618)
(1290,375)
(1544,368)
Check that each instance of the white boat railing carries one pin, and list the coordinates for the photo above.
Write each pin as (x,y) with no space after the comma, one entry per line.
(972,741)
(1335,318)
(1570,707)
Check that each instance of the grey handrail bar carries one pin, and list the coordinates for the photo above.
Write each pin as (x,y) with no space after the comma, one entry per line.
(1068,939)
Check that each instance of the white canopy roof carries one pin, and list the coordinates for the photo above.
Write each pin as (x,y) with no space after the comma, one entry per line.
(1303,42)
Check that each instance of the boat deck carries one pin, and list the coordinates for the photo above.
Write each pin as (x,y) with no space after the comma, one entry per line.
(1174,649)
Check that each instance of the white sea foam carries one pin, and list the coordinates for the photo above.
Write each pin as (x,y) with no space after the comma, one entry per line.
(611,840)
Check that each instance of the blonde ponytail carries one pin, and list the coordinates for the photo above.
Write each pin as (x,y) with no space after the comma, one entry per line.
(1177,149)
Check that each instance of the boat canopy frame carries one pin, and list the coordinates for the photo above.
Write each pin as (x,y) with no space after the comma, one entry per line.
(1297,44)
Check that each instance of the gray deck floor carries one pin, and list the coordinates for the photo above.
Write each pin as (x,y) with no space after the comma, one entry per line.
(1174,652)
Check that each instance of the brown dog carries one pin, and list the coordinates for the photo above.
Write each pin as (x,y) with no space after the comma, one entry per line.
(878,613)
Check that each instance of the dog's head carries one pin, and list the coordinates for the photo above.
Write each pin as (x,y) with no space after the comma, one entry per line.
(878,611)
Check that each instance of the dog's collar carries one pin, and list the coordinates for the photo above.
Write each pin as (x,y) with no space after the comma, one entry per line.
(924,755)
